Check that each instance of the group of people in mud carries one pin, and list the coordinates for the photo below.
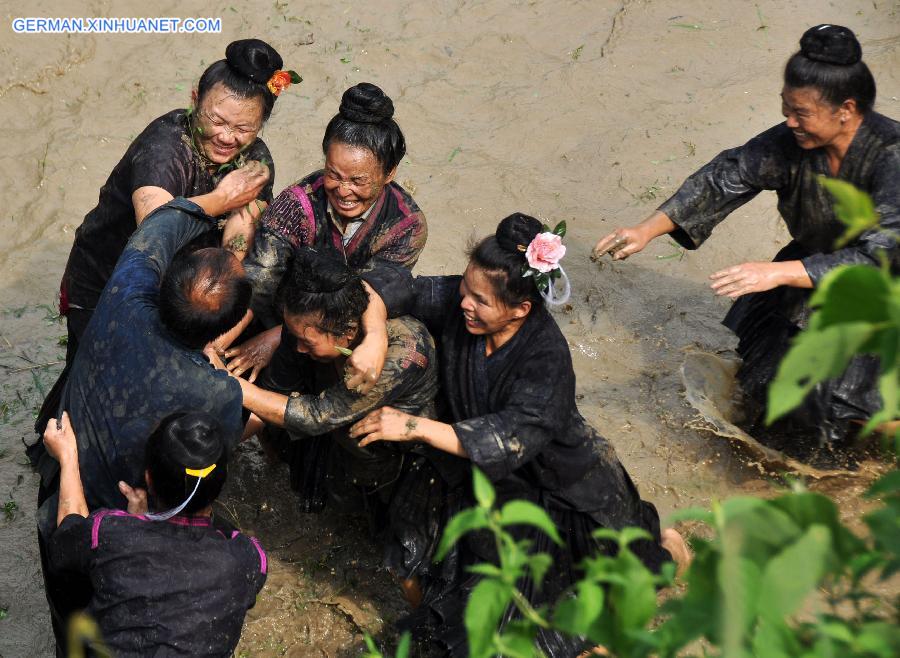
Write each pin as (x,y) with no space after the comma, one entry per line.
(203,310)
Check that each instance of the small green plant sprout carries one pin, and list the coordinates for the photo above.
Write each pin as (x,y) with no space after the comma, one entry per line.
(346,351)
(577,53)
(10,508)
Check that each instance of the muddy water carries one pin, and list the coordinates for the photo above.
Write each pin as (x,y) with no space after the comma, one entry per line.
(588,111)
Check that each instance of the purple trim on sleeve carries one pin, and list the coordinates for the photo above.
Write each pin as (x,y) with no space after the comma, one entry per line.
(98,517)
(306,205)
(263,562)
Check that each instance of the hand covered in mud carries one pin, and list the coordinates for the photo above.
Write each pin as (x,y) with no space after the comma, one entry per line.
(254,354)
(136,497)
(59,439)
(242,186)
(746,278)
(622,243)
(364,366)
(385,424)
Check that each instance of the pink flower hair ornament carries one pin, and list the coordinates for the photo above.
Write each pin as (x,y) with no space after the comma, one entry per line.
(542,257)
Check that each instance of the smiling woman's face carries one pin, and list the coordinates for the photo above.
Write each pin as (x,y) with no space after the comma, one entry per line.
(814,122)
(227,123)
(353,179)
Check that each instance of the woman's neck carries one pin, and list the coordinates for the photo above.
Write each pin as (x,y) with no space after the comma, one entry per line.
(837,149)
(498,339)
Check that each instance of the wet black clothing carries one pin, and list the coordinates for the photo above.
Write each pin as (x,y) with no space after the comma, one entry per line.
(163,155)
(393,233)
(130,372)
(327,465)
(514,413)
(170,588)
(764,322)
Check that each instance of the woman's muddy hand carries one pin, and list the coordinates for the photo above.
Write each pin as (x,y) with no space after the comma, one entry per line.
(386,424)
(746,278)
(136,497)
(621,243)
(254,354)
(364,366)
(242,186)
(59,439)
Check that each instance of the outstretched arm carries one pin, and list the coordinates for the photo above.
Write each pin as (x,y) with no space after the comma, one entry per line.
(388,424)
(63,447)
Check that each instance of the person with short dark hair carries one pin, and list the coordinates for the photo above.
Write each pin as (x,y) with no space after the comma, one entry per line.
(832,130)
(353,208)
(167,582)
(508,389)
(140,360)
(322,303)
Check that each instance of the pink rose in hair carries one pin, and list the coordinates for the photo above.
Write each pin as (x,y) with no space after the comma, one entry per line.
(545,252)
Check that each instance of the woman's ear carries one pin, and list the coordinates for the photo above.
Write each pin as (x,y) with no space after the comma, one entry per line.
(390,176)
(848,109)
(522,310)
(195,95)
(149,480)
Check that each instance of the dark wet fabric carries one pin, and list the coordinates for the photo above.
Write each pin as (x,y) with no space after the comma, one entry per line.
(163,155)
(764,322)
(327,466)
(394,233)
(515,414)
(129,372)
(172,588)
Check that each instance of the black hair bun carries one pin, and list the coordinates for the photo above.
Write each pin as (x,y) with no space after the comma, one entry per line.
(831,44)
(366,103)
(517,230)
(253,59)
(317,272)
(192,440)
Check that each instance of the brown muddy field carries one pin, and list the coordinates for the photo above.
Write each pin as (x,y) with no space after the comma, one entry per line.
(589,111)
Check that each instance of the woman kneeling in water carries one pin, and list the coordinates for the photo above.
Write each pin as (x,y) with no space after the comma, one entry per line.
(507,375)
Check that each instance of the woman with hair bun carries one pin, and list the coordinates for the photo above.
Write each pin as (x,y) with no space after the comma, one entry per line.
(167,582)
(509,387)
(352,208)
(322,302)
(210,154)
(831,129)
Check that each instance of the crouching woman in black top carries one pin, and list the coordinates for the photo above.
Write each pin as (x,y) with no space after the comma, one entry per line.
(507,376)
(165,584)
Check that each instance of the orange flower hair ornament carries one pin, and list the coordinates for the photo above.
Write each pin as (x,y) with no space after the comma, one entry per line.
(281,80)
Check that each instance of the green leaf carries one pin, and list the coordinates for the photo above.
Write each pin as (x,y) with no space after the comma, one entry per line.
(484,491)
(538,564)
(890,399)
(887,484)
(814,357)
(403,646)
(484,609)
(343,350)
(474,518)
(852,206)
(295,77)
(560,229)
(575,614)
(517,640)
(792,574)
(486,569)
(631,534)
(522,512)
(774,640)
(879,638)
(851,293)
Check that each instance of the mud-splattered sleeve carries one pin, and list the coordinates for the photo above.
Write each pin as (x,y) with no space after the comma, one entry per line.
(537,407)
(70,544)
(284,227)
(404,369)
(866,249)
(724,184)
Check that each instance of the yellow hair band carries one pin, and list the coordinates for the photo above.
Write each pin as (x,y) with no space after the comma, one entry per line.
(200,472)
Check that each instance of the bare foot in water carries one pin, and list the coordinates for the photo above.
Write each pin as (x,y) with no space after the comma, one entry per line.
(673,542)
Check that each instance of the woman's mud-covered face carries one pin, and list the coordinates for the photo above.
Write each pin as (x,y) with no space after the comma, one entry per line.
(353,179)
(312,340)
(226,124)
(814,122)
(484,313)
